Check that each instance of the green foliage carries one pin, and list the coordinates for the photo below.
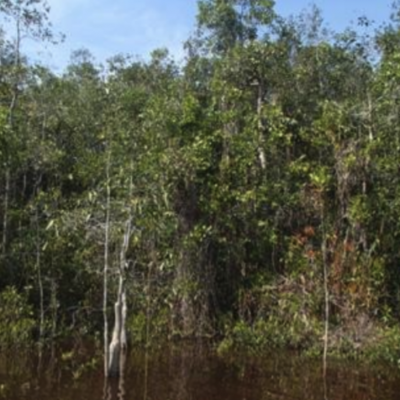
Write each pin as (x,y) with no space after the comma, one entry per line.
(271,154)
(16,320)
(232,22)
(386,346)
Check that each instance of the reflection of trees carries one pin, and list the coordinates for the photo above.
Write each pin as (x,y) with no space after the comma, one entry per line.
(16,367)
(181,383)
(146,375)
(121,383)
(184,373)
(284,377)
(305,379)
(185,363)
(325,379)
(114,388)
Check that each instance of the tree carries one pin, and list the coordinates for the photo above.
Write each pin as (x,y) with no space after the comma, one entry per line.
(29,19)
(223,24)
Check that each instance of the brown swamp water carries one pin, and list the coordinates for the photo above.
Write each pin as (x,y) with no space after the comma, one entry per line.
(193,373)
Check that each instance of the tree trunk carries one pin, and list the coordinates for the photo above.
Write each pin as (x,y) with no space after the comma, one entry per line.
(105,270)
(115,345)
(118,343)
(324,251)
(5,212)
(261,152)
(40,280)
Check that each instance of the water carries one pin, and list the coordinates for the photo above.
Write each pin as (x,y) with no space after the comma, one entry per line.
(192,373)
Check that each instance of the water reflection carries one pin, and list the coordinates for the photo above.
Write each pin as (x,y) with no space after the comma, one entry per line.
(114,387)
(194,373)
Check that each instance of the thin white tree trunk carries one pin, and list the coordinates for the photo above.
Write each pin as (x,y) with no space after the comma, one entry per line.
(5,211)
(115,345)
(105,270)
(40,280)
(124,311)
(261,152)
(118,345)
(118,342)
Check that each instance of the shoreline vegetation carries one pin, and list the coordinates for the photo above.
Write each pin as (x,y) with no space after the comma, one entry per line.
(249,195)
